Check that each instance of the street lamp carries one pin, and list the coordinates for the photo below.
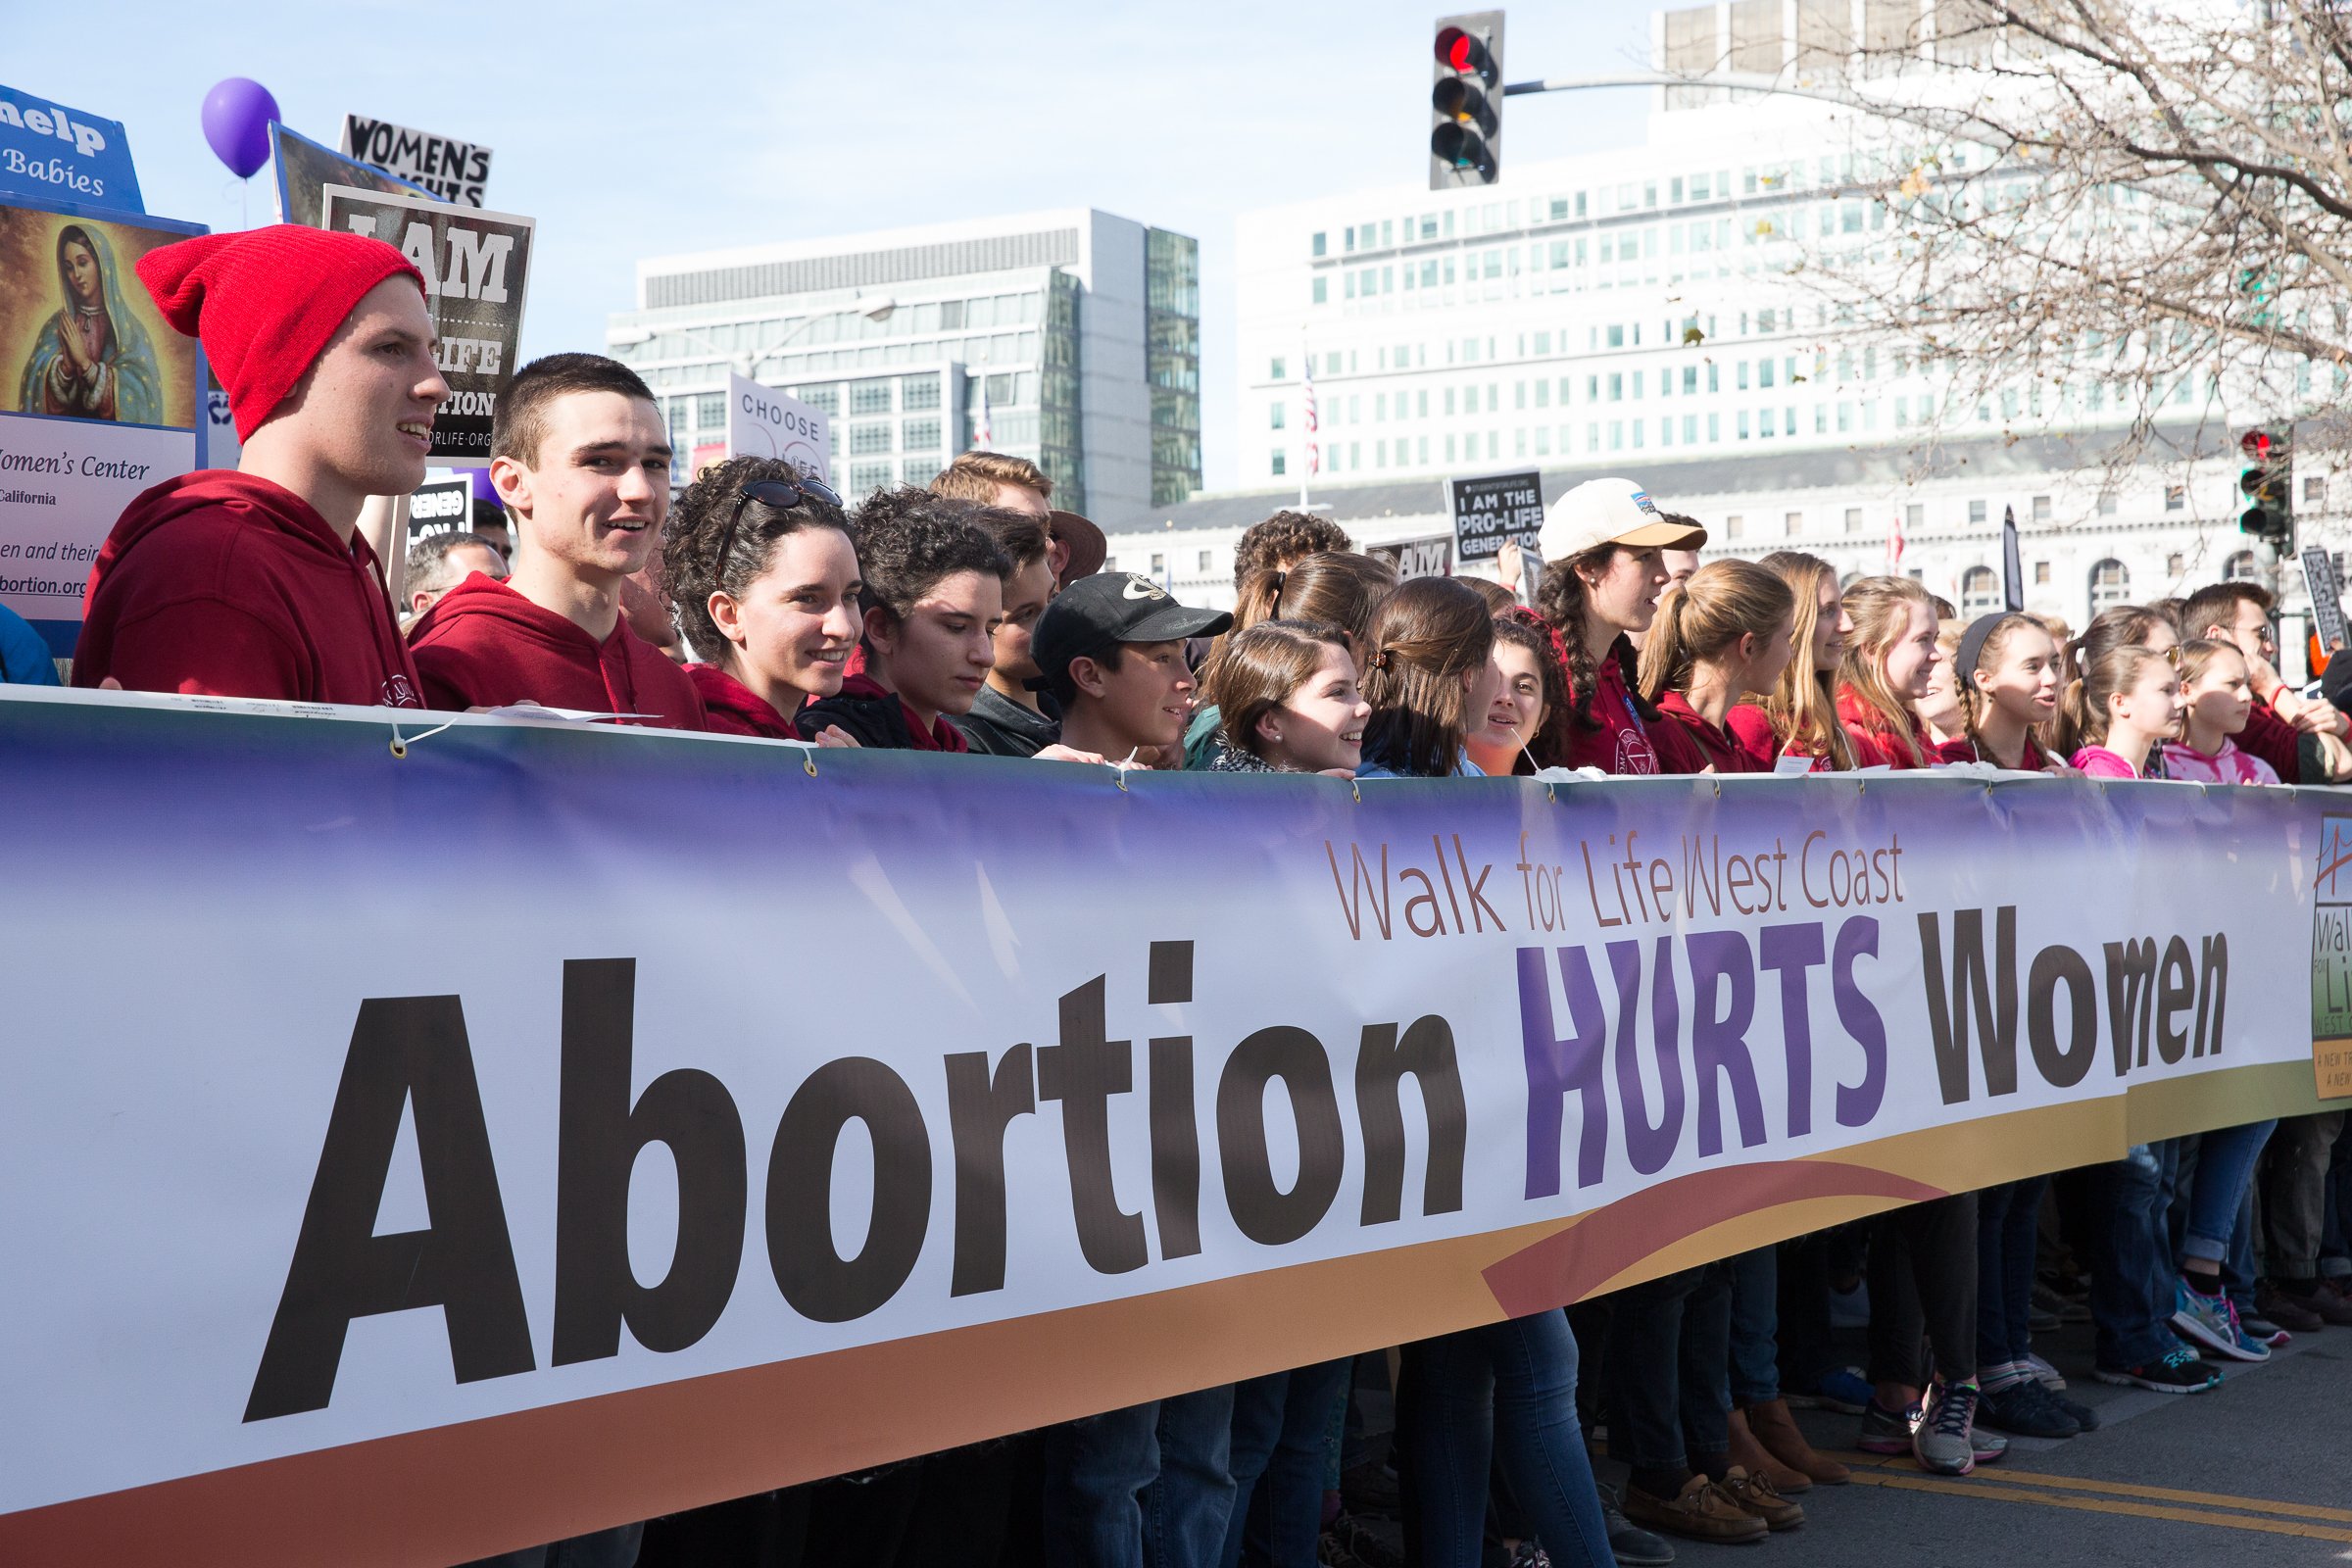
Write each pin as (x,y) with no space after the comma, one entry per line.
(875,309)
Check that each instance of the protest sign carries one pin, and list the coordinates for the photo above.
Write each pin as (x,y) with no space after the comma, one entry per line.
(301,1241)
(1417,558)
(1498,507)
(2327,599)
(449,169)
(440,506)
(476,265)
(64,155)
(764,422)
(305,170)
(99,397)
(222,447)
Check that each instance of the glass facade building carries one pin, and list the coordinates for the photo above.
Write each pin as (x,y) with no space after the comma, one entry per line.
(1074,335)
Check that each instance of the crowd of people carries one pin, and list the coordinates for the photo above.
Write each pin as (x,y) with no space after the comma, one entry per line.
(972,616)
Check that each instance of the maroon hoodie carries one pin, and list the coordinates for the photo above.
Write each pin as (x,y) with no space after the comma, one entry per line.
(225,584)
(483,645)
(730,708)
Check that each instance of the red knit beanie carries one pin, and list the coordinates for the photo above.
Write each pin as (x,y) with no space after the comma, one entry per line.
(264,301)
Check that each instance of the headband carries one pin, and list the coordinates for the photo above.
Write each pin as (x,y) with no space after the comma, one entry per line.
(1972,646)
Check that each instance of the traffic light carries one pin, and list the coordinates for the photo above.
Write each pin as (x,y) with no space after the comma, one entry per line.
(1465,137)
(2268,482)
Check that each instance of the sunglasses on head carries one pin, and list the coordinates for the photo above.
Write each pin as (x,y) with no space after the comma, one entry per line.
(781,495)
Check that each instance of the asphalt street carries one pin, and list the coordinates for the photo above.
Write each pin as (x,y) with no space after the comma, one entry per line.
(2256,1472)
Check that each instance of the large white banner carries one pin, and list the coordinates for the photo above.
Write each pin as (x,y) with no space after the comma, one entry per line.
(572,1125)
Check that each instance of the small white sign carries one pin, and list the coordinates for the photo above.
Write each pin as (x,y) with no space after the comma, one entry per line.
(762,423)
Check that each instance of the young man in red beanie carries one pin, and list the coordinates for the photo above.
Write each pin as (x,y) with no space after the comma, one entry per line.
(580,455)
(255,582)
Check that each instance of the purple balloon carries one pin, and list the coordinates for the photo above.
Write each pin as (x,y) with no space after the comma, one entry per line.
(236,121)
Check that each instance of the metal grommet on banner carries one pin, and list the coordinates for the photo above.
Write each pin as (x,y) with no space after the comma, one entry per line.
(808,762)
(400,745)
(1719,789)
(1550,794)
(1119,775)
(1357,793)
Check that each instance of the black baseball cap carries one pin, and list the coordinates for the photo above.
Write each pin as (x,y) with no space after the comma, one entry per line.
(1113,607)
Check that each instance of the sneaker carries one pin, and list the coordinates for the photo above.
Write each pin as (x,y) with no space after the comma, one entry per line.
(2262,1331)
(1352,1542)
(2051,1378)
(1526,1555)
(1370,1487)
(1946,1441)
(2065,1308)
(1844,1391)
(1756,1493)
(2177,1371)
(2285,1309)
(2212,1321)
(1850,1309)
(1630,1544)
(2024,1409)
(2084,1415)
(1700,1510)
(1884,1431)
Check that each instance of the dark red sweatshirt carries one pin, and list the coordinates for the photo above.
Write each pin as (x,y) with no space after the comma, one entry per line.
(483,645)
(730,708)
(225,584)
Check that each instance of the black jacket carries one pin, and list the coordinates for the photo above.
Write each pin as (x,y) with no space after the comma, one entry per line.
(998,726)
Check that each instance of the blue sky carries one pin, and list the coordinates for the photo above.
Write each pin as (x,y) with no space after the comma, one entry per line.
(639,131)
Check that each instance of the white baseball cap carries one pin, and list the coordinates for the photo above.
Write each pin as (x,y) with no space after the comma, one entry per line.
(1610,512)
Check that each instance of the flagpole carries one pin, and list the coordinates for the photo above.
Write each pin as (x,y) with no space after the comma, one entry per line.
(1311,458)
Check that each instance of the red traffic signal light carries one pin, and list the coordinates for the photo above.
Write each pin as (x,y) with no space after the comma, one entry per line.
(1463,52)
(2256,445)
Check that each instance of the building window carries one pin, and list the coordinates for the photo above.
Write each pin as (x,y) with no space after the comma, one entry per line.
(865,439)
(2240,568)
(1979,592)
(2041,572)
(1976,513)
(2315,492)
(710,410)
(1322,244)
(2110,584)
(1280,462)
(1914,516)
(921,435)
(2175,498)
(2042,508)
(1205,558)
(2175,564)
(1275,417)
(2107,505)
(1322,291)
(1793,525)
(1279,368)
(918,392)
(865,476)
(1733,527)
(870,396)
(1159,564)
(1853,520)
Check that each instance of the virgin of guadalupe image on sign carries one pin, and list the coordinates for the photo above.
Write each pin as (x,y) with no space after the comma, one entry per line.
(92,359)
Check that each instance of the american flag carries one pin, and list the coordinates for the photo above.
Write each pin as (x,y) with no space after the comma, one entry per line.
(1895,542)
(1314,447)
(983,436)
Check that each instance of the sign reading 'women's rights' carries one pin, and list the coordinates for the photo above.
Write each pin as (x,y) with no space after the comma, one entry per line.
(475,264)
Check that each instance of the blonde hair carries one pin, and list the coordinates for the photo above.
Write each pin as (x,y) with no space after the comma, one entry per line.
(2116,626)
(1975,702)
(2193,658)
(1880,606)
(2116,670)
(1704,615)
(975,476)
(1803,707)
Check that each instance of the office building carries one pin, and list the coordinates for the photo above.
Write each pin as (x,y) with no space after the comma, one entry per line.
(1634,312)
(1074,333)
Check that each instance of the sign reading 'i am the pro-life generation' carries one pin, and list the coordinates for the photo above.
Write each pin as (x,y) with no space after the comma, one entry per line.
(1495,509)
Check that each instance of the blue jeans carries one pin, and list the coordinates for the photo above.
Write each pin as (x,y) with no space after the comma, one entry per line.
(1668,1339)
(1146,1487)
(603,1548)
(2132,1275)
(2008,1219)
(1754,1367)
(1510,1384)
(2225,1169)
(2335,1214)
(1281,1438)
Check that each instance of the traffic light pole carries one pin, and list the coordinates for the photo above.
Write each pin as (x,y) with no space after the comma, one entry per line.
(1754,81)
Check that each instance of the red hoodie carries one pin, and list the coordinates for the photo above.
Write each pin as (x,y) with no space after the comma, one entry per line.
(483,645)
(1873,742)
(730,708)
(225,584)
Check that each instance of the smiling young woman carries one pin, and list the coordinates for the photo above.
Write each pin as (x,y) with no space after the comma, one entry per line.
(1286,691)
(767,584)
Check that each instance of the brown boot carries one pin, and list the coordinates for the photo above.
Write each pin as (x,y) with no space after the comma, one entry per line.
(1750,1454)
(1776,1431)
